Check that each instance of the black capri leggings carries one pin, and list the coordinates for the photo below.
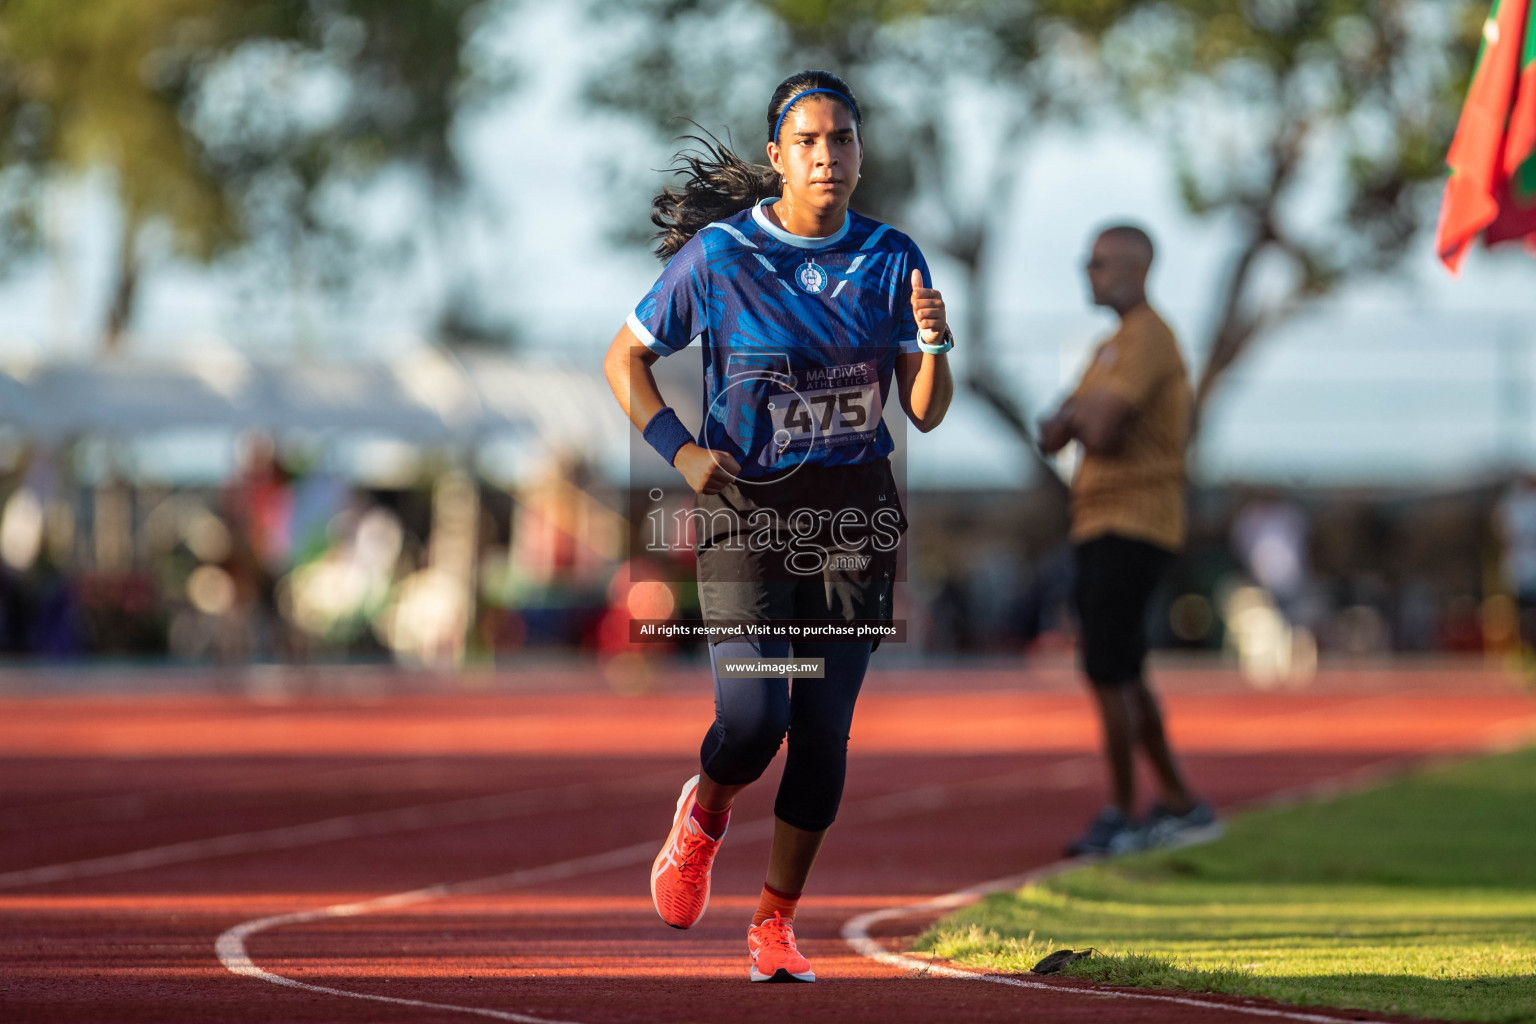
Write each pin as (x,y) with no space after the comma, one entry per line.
(752,716)
(742,582)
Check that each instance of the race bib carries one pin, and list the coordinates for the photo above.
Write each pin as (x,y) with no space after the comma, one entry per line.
(830,405)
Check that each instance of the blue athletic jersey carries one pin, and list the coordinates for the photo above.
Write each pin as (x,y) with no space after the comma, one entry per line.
(800,335)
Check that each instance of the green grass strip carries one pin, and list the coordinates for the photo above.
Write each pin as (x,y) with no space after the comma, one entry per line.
(1417,898)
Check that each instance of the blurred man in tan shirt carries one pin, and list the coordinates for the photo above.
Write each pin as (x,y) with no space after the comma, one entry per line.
(1131,414)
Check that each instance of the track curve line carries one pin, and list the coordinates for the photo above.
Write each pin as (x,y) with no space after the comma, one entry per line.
(233,954)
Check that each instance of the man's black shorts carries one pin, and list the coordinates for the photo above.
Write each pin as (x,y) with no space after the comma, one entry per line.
(833,570)
(1116,577)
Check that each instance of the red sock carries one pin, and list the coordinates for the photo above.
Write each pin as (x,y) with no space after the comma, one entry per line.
(774,902)
(711,823)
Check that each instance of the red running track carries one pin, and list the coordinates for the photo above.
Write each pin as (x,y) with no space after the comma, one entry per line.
(135,831)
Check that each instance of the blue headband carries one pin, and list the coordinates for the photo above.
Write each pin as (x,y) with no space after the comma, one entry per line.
(797,97)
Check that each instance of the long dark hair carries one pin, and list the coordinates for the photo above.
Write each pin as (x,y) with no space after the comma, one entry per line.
(717,183)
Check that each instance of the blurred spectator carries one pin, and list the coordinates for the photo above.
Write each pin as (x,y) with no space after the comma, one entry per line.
(636,592)
(1269,534)
(257,503)
(1131,415)
(1418,616)
(949,617)
(996,598)
(1515,525)
(1268,625)
(1046,606)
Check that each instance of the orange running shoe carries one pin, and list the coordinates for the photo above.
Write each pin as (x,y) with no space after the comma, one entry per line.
(774,956)
(680,873)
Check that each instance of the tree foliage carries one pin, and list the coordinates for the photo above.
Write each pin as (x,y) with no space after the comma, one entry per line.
(1318,127)
(227,121)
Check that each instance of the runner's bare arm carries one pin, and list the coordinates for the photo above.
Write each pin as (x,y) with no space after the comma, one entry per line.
(926,387)
(627,366)
(923,379)
(628,369)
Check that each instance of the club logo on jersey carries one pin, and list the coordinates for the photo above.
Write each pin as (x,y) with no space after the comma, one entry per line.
(811,277)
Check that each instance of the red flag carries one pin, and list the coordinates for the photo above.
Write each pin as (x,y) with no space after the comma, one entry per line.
(1493,157)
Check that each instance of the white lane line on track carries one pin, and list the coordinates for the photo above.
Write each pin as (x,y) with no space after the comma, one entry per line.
(134,805)
(230,946)
(472,810)
(232,952)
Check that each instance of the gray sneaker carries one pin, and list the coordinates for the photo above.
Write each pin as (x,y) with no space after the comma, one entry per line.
(1197,825)
(1110,833)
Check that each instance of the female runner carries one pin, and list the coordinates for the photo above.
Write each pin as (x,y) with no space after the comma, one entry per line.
(805,310)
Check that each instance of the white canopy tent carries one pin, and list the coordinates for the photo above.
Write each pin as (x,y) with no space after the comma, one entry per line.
(430,398)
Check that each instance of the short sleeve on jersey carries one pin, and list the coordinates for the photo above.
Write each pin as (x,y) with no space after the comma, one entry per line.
(672,313)
(906,330)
